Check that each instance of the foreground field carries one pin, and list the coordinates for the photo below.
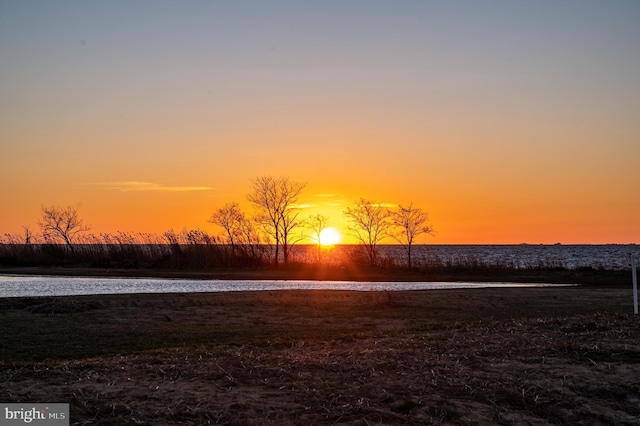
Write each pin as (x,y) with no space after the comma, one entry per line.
(492,356)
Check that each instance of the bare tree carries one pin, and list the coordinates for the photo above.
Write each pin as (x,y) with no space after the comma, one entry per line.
(251,242)
(370,223)
(27,234)
(411,222)
(275,200)
(61,223)
(231,219)
(316,224)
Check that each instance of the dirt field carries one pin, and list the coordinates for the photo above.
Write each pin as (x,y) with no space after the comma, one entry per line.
(528,356)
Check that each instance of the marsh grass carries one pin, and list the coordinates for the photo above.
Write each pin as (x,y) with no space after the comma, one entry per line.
(196,250)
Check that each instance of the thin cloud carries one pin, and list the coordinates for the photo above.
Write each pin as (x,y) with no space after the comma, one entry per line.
(301,206)
(325,194)
(385,205)
(137,186)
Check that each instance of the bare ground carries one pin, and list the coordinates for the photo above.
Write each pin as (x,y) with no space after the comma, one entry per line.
(541,356)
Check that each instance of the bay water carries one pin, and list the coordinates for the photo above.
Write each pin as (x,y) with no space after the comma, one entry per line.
(28,286)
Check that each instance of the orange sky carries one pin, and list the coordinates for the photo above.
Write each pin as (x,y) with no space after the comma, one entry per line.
(507,123)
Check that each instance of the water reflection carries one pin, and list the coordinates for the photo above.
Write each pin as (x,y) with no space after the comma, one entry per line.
(22,286)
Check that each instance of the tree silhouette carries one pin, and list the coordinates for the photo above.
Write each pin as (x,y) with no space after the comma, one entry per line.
(231,219)
(275,200)
(27,234)
(316,224)
(411,222)
(369,222)
(61,223)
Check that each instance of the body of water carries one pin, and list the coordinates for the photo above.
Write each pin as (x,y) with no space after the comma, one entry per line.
(613,257)
(27,286)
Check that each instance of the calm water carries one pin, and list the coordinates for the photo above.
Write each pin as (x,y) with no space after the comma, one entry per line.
(599,256)
(611,257)
(21,286)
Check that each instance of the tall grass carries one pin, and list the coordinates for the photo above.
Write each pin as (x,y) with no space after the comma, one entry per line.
(199,250)
(187,249)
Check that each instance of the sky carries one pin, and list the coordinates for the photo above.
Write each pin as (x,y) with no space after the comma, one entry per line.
(506,121)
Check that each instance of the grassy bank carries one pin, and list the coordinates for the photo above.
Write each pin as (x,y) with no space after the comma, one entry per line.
(85,326)
(567,355)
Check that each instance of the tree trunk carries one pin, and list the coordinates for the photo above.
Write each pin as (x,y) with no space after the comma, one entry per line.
(70,247)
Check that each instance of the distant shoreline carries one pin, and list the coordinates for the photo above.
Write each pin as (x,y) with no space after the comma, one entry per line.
(585,277)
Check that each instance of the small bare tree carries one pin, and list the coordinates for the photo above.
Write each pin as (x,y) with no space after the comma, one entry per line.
(275,200)
(411,222)
(370,223)
(316,224)
(27,234)
(61,223)
(250,242)
(231,219)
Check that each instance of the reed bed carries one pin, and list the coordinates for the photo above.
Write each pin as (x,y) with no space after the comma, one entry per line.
(198,250)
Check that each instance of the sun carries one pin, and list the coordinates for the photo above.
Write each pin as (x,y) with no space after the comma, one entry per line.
(330,237)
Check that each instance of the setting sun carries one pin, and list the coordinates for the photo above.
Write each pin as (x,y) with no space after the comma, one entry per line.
(330,236)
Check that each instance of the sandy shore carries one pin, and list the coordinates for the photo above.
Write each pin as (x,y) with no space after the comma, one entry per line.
(530,356)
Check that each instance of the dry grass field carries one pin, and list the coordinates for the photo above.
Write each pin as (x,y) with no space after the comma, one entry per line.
(512,356)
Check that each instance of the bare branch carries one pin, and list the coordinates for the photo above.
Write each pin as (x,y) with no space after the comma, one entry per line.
(230,218)
(61,223)
(412,222)
(275,200)
(370,222)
